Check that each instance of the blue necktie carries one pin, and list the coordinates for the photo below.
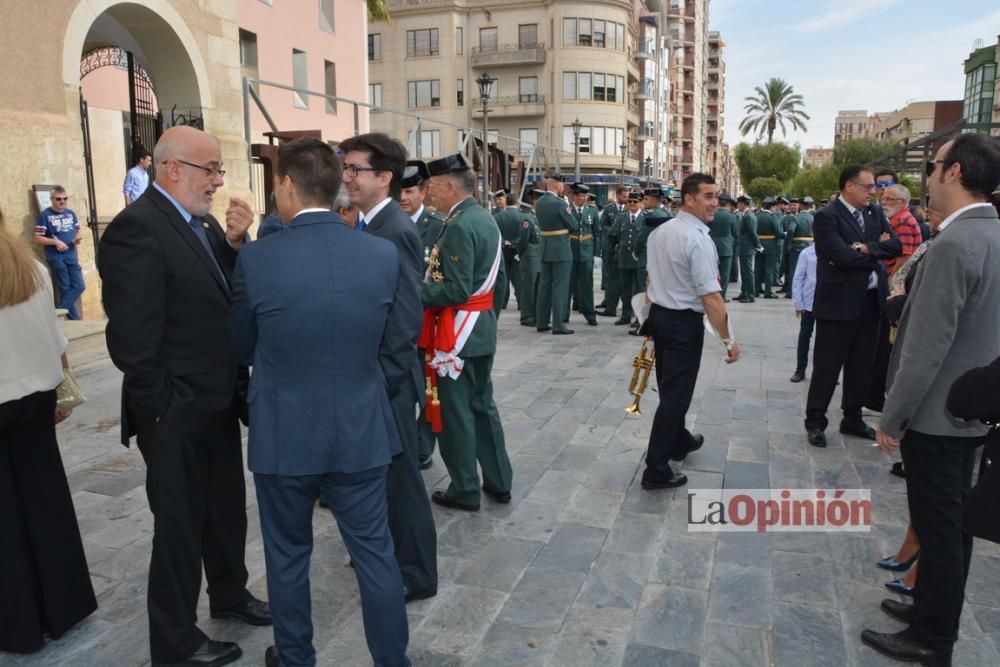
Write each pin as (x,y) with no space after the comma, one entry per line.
(199,231)
(858,219)
(361,224)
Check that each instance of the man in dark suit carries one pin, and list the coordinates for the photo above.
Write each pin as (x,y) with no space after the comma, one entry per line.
(312,307)
(852,235)
(373,172)
(166,266)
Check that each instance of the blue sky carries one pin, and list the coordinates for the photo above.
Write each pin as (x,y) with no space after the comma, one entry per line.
(876,55)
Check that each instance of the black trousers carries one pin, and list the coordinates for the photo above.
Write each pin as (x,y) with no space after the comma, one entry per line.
(843,344)
(938,478)
(43,570)
(880,371)
(678,337)
(806,323)
(197,493)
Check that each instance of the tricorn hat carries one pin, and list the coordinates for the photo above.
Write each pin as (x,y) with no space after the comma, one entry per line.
(448,164)
(414,173)
(579,188)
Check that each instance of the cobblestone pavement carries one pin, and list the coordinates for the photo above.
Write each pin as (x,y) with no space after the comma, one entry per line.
(583,567)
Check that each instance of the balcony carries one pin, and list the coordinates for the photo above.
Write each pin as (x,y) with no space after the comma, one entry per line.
(645,131)
(516,106)
(645,90)
(508,55)
(646,50)
(633,70)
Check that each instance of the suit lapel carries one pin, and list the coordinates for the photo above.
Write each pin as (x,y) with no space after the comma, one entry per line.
(848,219)
(184,230)
(375,224)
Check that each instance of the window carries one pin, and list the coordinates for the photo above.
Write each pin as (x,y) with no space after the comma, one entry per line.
(527,36)
(569,32)
(569,85)
(459,41)
(375,47)
(599,87)
(583,86)
(423,93)
(527,89)
(326,15)
(375,94)
(427,145)
(593,86)
(584,139)
(300,79)
(487,39)
(583,37)
(330,76)
(528,138)
(619,37)
(422,42)
(460,92)
(494,91)
(599,34)
(248,53)
(597,140)
(594,32)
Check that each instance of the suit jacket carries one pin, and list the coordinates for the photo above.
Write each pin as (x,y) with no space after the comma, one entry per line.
(168,311)
(310,311)
(841,271)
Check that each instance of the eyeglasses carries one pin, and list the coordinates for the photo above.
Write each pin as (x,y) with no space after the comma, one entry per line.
(353,170)
(932,165)
(211,172)
(866,186)
(60,198)
(884,184)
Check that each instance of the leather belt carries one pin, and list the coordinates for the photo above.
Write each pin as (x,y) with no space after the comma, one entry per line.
(558,232)
(802,238)
(581,237)
(767,238)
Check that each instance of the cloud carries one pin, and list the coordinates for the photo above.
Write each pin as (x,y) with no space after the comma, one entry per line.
(839,14)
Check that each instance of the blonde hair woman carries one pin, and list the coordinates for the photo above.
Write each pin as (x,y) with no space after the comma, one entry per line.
(43,570)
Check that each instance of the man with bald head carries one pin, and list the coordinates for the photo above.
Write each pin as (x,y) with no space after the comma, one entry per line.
(166,266)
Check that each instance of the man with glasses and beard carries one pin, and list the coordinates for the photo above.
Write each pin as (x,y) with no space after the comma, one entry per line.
(58,230)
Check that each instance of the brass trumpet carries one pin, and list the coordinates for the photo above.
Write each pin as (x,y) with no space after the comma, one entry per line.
(642,364)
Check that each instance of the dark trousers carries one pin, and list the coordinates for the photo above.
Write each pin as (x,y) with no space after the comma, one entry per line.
(357,501)
(410,520)
(614,292)
(43,570)
(678,336)
(196,491)
(553,295)
(747,283)
(880,370)
(938,478)
(764,273)
(513,280)
(725,267)
(69,280)
(806,322)
(583,292)
(629,287)
(527,296)
(843,344)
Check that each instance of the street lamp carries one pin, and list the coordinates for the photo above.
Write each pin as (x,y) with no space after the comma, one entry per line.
(623,147)
(485,83)
(577,126)
(649,170)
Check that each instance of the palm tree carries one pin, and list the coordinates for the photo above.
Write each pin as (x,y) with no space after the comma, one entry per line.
(771,107)
(377,10)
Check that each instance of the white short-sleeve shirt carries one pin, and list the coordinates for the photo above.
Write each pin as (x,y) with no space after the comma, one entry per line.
(682,263)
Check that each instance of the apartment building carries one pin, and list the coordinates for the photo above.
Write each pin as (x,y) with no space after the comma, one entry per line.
(852,124)
(915,120)
(981,101)
(715,104)
(818,157)
(688,41)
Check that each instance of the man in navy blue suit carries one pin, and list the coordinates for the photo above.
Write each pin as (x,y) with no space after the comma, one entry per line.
(852,236)
(311,307)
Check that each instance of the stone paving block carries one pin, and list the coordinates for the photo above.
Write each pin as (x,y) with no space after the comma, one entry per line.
(734,646)
(592,435)
(800,630)
(685,562)
(804,543)
(612,475)
(507,645)
(638,499)
(803,579)
(593,507)
(572,548)
(609,415)
(461,609)
(576,459)
(121,532)
(500,564)
(740,595)
(752,449)
(557,486)
(710,458)
(466,536)
(854,556)
(671,617)
(542,598)
(640,655)
(532,520)
(594,637)
(743,475)
(753,549)
(699,479)
(983,582)
(635,533)
(616,581)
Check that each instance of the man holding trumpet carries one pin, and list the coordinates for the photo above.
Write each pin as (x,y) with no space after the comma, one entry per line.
(682,288)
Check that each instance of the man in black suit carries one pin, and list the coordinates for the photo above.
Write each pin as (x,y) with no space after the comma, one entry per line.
(373,173)
(166,265)
(852,235)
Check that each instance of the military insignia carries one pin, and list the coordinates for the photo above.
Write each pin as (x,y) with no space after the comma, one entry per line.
(569,210)
(454,258)
(525,224)
(205,225)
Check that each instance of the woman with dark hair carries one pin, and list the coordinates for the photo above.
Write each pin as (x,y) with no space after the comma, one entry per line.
(43,570)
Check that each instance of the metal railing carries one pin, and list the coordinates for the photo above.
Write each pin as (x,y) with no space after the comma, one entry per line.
(507,48)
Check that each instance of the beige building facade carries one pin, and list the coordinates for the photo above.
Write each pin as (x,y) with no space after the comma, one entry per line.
(818,157)
(688,37)
(851,124)
(915,120)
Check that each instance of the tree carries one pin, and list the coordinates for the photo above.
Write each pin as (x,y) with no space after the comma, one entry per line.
(378,11)
(816,183)
(765,186)
(777,160)
(772,107)
(861,151)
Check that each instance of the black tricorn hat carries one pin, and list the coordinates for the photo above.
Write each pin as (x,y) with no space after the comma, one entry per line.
(783,200)
(768,201)
(414,173)
(652,192)
(807,199)
(744,197)
(725,197)
(635,195)
(502,192)
(448,164)
(579,188)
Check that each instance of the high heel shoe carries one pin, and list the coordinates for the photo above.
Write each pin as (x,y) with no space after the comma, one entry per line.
(897,586)
(890,563)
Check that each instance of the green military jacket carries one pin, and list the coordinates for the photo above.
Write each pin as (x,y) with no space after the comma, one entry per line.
(748,241)
(607,220)
(429,226)
(768,225)
(725,231)
(529,244)
(554,215)
(509,222)
(801,235)
(586,225)
(626,236)
(459,265)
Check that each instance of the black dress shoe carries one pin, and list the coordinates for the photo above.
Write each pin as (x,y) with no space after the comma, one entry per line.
(905,647)
(527,323)
(441,498)
(604,313)
(544,329)
(747,300)
(502,497)
(817,438)
(563,332)
(902,612)
(592,322)
(697,441)
(426,463)
(679,479)
(252,612)
(797,376)
(322,503)
(271,656)
(890,563)
(771,296)
(622,320)
(209,654)
(898,470)
(412,596)
(861,430)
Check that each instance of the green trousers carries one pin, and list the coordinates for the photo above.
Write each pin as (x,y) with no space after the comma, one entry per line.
(583,291)
(472,432)
(527,295)
(765,268)
(725,266)
(553,295)
(747,284)
(630,287)
(513,280)
(613,291)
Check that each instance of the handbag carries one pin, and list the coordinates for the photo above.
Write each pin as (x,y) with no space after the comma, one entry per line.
(68,393)
(980,517)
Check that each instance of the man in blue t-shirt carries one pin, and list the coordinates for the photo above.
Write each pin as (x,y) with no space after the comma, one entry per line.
(59,231)
(137,178)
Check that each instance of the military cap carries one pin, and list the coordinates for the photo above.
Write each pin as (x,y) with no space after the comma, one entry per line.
(665,194)
(592,197)
(807,200)
(744,197)
(652,192)
(535,192)
(794,200)
(724,197)
(414,173)
(783,200)
(768,201)
(502,192)
(579,188)
(635,195)
(448,164)
(555,176)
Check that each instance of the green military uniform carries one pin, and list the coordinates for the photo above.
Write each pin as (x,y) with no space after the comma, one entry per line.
(509,221)
(556,223)
(582,272)
(529,249)
(724,231)
(605,221)
(429,226)
(800,239)
(627,234)
(769,233)
(460,265)
(748,244)
(788,227)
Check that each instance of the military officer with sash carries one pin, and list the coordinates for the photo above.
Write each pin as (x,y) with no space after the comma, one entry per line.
(770,233)
(800,239)
(724,231)
(509,221)
(582,245)
(556,223)
(748,245)
(625,236)
(609,265)
(461,329)
(529,249)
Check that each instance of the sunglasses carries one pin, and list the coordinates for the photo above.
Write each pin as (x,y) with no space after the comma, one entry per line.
(932,165)
(884,184)
(60,198)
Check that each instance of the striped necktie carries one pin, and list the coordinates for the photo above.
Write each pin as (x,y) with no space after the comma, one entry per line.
(858,219)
